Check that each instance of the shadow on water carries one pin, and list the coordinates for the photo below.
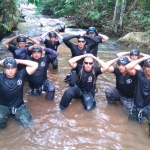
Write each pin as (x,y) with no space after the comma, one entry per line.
(104,128)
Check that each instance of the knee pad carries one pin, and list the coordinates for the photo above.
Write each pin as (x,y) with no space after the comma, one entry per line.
(55,64)
(109,96)
(73,78)
(50,95)
(88,101)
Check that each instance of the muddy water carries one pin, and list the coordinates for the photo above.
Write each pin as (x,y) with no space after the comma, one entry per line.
(104,128)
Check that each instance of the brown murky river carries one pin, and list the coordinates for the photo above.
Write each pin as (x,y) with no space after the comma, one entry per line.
(105,128)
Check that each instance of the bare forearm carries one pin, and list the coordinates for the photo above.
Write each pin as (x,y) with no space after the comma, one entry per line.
(109,63)
(28,63)
(122,54)
(34,40)
(75,59)
(6,42)
(132,64)
(104,37)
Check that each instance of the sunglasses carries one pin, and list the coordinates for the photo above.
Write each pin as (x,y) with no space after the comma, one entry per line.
(80,41)
(90,63)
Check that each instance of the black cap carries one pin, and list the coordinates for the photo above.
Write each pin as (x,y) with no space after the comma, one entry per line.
(36,49)
(147,63)
(123,60)
(135,52)
(21,39)
(52,34)
(92,30)
(9,63)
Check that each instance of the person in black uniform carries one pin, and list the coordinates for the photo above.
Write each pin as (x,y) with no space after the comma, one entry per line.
(78,49)
(94,33)
(11,93)
(52,43)
(21,43)
(142,94)
(134,55)
(87,75)
(125,85)
(38,81)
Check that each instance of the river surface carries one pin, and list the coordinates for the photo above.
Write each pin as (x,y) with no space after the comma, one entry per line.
(105,128)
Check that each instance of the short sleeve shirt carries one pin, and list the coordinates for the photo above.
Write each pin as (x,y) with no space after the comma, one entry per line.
(11,93)
(86,79)
(142,96)
(125,84)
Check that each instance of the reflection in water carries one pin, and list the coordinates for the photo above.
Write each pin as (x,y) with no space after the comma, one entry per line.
(104,128)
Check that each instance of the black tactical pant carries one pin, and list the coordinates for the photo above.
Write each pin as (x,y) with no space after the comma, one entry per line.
(88,99)
(47,87)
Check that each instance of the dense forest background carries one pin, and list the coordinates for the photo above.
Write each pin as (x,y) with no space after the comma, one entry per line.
(115,17)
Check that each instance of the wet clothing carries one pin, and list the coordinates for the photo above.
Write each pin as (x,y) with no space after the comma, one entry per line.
(124,91)
(137,114)
(74,48)
(113,95)
(9,95)
(54,46)
(11,98)
(39,78)
(125,84)
(12,49)
(94,51)
(84,90)
(21,114)
(142,95)
(47,87)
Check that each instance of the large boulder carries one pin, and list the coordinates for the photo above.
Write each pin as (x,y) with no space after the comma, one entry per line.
(139,39)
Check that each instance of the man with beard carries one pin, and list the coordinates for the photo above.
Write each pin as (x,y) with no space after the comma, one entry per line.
(38,81)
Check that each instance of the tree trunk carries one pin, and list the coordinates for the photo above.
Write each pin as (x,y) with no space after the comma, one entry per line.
(114,21)
(123,7)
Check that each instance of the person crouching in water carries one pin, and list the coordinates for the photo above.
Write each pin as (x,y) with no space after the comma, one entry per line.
(87,75)
(142,94)
(11,93)
(38,81)
(125,84)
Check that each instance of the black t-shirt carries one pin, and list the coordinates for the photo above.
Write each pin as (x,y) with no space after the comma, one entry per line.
(11,93)
(87,80)
(40,75)
(125,84)
(74,47)
(48,44)
(12,49)
(142,96)
(77,52)
(94,51)
(141,64)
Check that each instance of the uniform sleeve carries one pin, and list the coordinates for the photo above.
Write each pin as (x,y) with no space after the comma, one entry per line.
(20,53)
(67,39)
(137,74)
(52,54)
(78,68)
(97,71)
(95,41)
(12,49)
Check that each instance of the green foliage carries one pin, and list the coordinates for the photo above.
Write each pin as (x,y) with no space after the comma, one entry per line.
(5,26)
